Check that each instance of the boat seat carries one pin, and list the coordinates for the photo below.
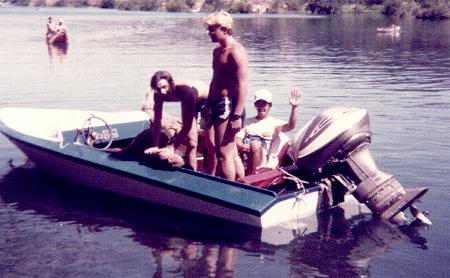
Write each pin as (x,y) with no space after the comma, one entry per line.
(265,178)
(278,149)
(269,173)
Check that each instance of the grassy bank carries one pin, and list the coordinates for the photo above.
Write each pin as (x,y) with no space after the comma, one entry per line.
(424,9)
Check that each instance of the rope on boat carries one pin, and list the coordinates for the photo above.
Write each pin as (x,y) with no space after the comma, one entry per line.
(299,182)
(300,187)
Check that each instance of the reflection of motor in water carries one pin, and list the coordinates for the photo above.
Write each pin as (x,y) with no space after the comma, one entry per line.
(349,245)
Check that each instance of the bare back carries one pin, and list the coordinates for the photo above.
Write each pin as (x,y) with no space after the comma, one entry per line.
(201,87)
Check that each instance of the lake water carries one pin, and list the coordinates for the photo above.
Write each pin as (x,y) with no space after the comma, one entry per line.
(49,228)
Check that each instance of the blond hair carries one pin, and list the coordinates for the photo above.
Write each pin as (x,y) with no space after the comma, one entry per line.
(220,18)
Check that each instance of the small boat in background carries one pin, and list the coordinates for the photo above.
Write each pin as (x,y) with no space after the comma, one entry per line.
(392,29)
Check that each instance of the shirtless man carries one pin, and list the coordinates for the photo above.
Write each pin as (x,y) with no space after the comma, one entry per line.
(192,96)
(51,30)
(227,93)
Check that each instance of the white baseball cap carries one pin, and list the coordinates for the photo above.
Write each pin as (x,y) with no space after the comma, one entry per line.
(263,94)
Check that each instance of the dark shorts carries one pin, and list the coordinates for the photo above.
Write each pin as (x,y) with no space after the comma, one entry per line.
(222,109)
(249,138)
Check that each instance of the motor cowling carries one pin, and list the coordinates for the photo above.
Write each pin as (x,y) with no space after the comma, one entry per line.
(330,135)
(334,145)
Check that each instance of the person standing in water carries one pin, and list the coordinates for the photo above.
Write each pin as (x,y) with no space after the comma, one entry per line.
(61,28)
(51,30)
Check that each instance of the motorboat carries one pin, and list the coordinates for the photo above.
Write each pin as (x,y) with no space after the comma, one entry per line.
(391,29)
(57,38)
(328,164)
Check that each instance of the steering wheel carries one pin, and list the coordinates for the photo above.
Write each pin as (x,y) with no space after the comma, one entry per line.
(92,137)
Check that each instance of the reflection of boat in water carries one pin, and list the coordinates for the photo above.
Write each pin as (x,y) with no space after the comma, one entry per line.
(30,189)
(391,29)
(340,245)
(332,165)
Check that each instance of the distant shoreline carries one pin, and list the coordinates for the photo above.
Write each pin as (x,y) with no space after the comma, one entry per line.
(431,9)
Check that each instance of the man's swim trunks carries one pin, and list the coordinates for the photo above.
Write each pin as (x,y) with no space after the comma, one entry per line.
(221,109)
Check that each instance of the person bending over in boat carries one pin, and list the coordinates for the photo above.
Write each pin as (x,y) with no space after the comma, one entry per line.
(170,125)
(192,96)
(227,93)
(255,138)
(51,30)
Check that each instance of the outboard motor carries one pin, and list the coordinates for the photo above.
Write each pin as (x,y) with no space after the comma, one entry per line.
(334,146)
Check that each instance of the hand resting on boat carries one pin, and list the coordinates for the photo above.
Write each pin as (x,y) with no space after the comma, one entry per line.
(166,154)
(163,153)
(152,150)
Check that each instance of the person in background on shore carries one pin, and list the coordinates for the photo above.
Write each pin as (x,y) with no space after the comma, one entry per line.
(227,93)
(192,96)
(257,135)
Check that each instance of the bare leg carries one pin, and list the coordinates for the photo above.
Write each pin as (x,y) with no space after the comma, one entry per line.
(191,146)
(211,159)
(191,157)
(240,169)
(255,156)
(226,149)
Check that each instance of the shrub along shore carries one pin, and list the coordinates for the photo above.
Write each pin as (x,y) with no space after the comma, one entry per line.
(423,9)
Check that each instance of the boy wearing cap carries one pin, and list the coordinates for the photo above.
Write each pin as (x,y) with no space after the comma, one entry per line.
(51,29)
(227,93)
(256,137)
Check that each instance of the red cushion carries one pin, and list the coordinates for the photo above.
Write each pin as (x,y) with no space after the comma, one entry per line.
(265,178)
